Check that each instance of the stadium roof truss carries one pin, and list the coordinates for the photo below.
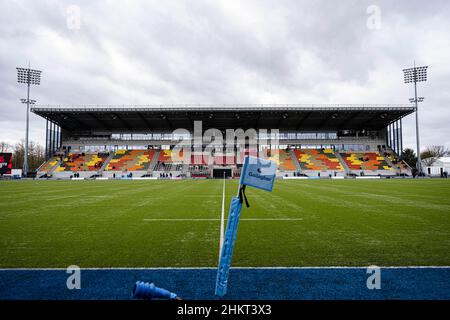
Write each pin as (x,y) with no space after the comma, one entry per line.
(168,118)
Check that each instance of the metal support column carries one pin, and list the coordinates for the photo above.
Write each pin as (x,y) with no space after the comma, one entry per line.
(401,140)
(46,140)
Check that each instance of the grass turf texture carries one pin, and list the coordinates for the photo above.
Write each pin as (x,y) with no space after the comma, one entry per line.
(343,223)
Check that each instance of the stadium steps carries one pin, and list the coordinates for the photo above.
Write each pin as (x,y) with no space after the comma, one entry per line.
(406,168)
(54,167)
(295,160)
(46,166)
(50,170)
(154,161)
(342,161)
(105,164)
(40,167)
(390,163)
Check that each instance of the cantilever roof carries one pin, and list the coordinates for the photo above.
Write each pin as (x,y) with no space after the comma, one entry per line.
(168,118)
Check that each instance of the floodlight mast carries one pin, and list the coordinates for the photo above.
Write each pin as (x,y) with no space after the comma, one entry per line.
(28,76)
(416,74)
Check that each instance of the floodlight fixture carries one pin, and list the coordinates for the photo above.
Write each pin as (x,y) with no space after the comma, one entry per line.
(28,76)
(414,75)
(419,99)
(31,101)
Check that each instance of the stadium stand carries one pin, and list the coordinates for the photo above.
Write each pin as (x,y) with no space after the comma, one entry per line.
(245,152)
(199,159)
(372,161)
(166,164)
(47,166)
(396,162)
(82,162)
(224,160)
(198,167)
(318,159)
(131,160)
(285,161)
(303,146)
(289,162)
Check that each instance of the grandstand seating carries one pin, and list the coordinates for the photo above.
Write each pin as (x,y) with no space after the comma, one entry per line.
(365,161)
(82,162)
(224,159)
(308,159)
(165,156)
(199,159)
(396,161)
(285,161)
(131,160)
(165,163)
(49,164)
(240,156)
(318,159)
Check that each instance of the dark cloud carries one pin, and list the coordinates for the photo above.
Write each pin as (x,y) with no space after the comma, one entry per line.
(219,52)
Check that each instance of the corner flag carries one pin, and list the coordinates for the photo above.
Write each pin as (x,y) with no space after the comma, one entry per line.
(257,173)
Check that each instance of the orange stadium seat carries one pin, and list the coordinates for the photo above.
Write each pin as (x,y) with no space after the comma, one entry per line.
(318,159)
(49,164)
(131,160)
(82,162)
(365,161)
(223,160)
(285,162)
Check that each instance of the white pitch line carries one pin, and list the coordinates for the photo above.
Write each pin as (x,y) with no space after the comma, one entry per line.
(217,219)
(272,219)
(222,219)
(214,268)
(183,219)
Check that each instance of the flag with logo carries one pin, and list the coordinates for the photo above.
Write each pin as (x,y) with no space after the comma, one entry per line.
(258,173)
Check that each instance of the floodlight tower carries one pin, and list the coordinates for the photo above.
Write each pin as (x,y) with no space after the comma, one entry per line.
(414,75)
(28,76)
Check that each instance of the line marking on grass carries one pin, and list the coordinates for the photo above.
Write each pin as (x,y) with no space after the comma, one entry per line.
(217,219)
(272,219)
(211,268)
(222,219)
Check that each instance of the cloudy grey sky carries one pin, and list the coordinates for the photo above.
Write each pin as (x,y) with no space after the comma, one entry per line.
(225,52)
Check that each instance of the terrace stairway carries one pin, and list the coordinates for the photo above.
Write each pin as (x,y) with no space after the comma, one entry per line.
(343,163)
(153,162)
(105,164)
(389,162)
(295,160)
(406,166)
(54,167)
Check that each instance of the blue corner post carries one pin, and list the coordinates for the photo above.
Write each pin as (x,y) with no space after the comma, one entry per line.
(228,247)
(257,173)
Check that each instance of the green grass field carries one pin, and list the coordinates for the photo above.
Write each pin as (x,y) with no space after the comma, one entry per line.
(314,223)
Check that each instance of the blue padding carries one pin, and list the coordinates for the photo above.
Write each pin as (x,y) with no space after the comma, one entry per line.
(228,247)
(251,284)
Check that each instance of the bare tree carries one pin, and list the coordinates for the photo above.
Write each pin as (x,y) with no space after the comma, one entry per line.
(432,153)
(36,155)
(5,146)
